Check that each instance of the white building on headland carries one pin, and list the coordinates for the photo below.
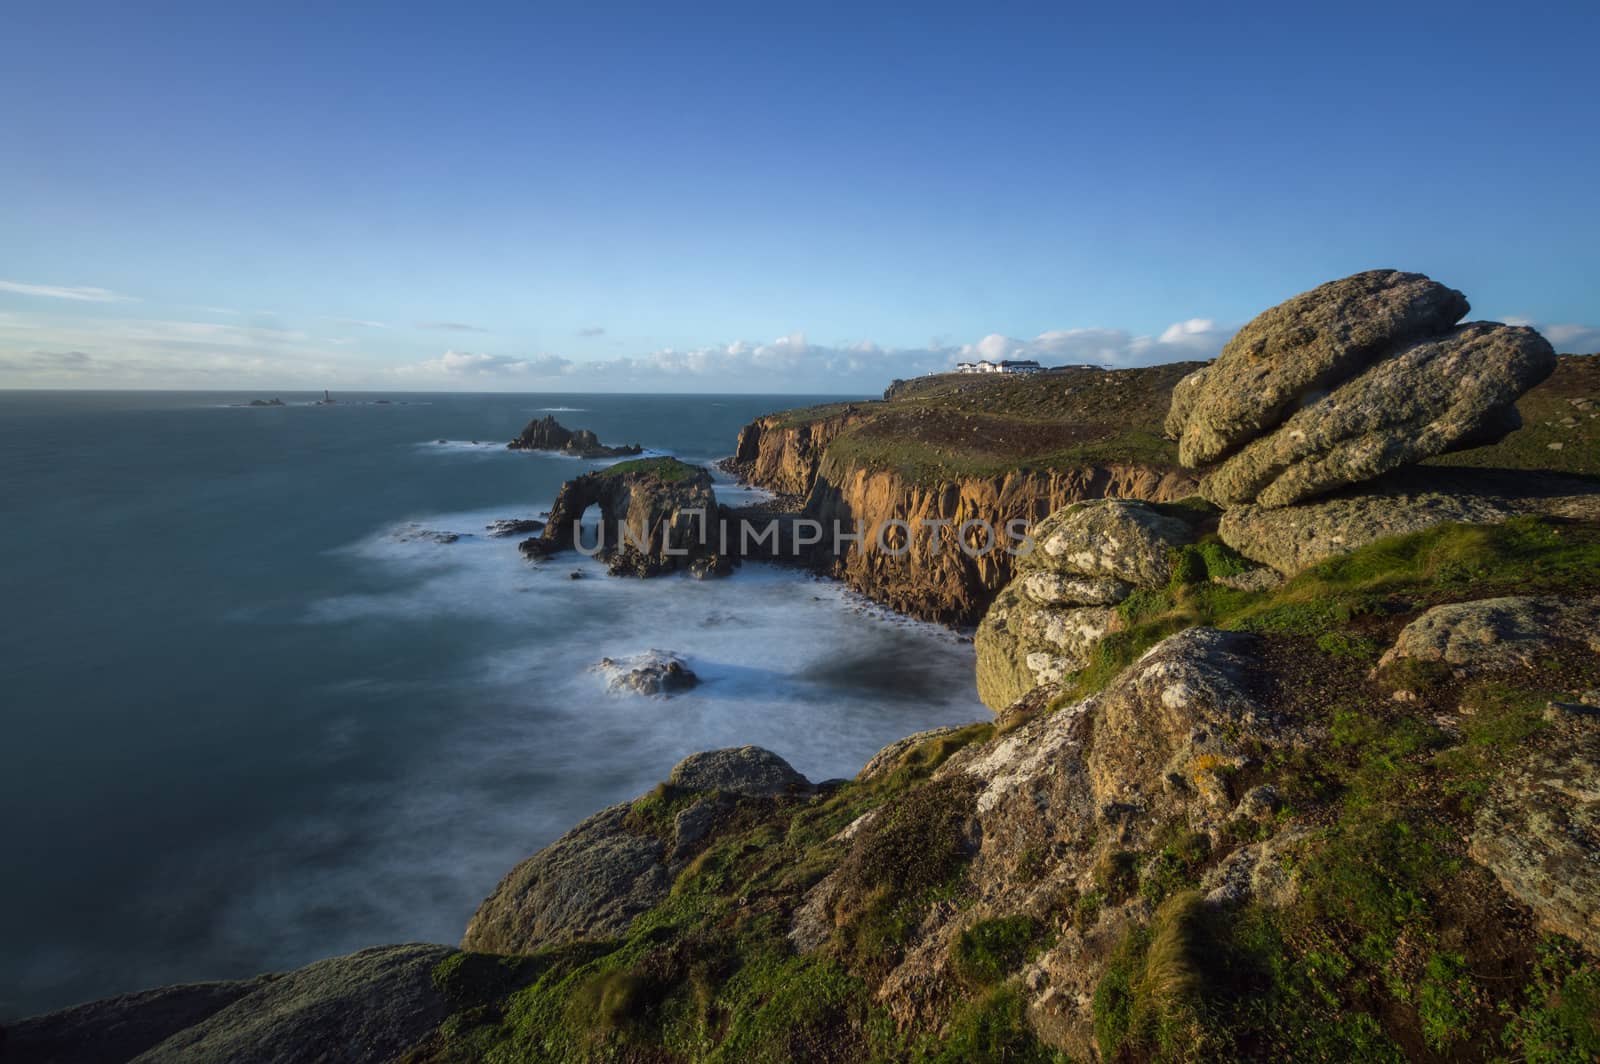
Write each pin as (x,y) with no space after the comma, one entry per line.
(1026,365)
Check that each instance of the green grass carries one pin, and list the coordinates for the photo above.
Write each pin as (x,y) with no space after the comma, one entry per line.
(991,950)
(665,469)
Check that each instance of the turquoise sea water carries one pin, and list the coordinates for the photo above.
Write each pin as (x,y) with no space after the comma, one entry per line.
(245,723)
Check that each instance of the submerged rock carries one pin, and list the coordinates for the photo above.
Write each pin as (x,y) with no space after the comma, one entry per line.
(417,533)
(1302,345)
(655,672)
(514,526)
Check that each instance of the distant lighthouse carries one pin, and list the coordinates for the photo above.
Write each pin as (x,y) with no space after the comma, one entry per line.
(327,400)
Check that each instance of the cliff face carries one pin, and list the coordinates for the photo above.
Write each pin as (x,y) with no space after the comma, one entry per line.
(782,455)
(938,580)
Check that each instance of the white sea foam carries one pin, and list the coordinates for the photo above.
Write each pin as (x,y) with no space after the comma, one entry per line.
(796,664)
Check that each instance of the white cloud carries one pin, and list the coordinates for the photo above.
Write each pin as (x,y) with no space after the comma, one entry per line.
(82,294)
(593,330)
(1573,339)
(450,326)
(470,364)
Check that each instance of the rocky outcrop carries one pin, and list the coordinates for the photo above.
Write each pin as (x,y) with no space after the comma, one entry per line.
(593,881)
(1293,538)
(1539,829)
(655,672)
(119,1029)
(1078,791)
(1347,382)
(1306,344)
(1430,398)
(548,434)
(1499,634)
(366,1008)
(657,515)
(1085,558)
(745,771)
(1297,537)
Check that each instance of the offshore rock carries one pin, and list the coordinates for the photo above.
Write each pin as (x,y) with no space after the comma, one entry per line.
(548,434)
(664,510)
(655,672)
(1301,346)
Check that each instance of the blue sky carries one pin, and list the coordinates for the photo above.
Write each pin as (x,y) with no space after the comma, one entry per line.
(743,198)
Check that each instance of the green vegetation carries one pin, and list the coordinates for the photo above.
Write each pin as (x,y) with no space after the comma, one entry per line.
(989,951)
(665,469)
(1333,604)
(954,426)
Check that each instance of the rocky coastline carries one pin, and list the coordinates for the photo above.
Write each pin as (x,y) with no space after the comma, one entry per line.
(1295,754)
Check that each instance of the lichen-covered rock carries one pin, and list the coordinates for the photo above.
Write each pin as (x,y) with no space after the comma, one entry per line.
(1303,345)
(1070,632)
(1539,829)
(1021,645)
(1120,538)
(1292,538)
(1261,872)
(1085,558)
(1498,634)
(1049,587)
(1430,398)
(748,771)
(1175,723)
(364,1008)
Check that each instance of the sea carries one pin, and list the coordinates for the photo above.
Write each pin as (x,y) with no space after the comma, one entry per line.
(254,713)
